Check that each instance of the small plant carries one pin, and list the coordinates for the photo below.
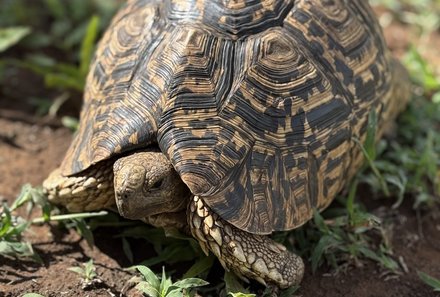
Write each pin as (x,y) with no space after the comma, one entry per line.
(11,36)
(12,227)
(345,238)
(430,281)
(164,287)
(65,75)
(410,162)
(88,273)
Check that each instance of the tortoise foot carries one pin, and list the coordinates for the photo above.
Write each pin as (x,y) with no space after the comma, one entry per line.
(248,255)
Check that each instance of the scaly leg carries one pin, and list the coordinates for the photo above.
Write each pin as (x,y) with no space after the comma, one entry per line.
(248,255)
(86,191)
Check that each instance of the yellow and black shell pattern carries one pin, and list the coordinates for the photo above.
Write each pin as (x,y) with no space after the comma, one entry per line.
(255,103)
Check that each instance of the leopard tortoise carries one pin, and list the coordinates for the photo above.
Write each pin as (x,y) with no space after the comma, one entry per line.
(230,119)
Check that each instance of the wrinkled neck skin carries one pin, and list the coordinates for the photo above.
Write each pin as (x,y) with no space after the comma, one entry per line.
(146,184)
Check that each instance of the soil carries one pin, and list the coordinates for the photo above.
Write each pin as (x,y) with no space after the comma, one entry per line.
(31,146)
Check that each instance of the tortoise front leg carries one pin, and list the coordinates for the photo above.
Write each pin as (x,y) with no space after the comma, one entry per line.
(248,255)
(89,190)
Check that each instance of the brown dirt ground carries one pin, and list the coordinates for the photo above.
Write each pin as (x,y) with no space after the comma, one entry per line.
(30,147)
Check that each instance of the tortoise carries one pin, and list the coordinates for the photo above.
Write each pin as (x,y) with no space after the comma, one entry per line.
(230,120)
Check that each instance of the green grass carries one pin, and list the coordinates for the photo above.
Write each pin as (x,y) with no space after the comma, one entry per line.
(430,281)
(153,286)
(87,272)
(13,226)
(58,38)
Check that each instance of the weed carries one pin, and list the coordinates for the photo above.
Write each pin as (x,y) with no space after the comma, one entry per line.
(151,285)
(88,273)
(12,227)
(11,36)
(410,162)
(66,29)
(70,122)
(430,281)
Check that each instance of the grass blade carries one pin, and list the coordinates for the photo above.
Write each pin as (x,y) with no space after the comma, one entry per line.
(88,44)
(11,36)
(430,281)
(202,265)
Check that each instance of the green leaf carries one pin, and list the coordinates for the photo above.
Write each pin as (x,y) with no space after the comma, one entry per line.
(149,276)
(239,294)
(148,289)
(89,269)
(289,291)
(430,281)
(24,197)
(77,270)
(88,44)
(6,221)
(350,200)
(373,168)
(84,231)
(18,229)
(319,221)
(326,242)
(190,283)
(11,36)
(199,267)
(56,8)
(379,257)
(70,122)
(436,98)
(232,284)
(165,255)
(420,70)
(63,81)
(32,295)
(175,293)
(165,283)
(370,140)
(127,249)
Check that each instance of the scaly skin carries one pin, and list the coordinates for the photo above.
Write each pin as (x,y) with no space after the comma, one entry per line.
(249,255)
(146,185)
(90,190)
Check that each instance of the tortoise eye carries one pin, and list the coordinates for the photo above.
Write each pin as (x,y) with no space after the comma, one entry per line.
(157,184)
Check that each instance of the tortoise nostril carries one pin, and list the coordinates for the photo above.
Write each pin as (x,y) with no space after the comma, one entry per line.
(123,194)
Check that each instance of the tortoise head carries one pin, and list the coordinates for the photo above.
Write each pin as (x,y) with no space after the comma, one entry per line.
(146,184)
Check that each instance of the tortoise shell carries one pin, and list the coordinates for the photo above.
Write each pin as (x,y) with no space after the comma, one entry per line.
(255,103)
